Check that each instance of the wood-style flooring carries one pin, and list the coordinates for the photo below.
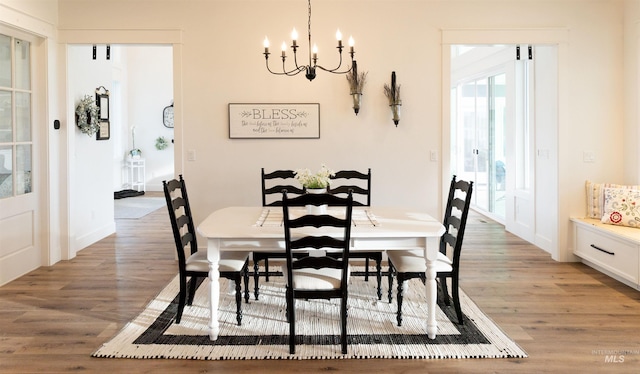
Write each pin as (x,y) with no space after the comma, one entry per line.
(568,317)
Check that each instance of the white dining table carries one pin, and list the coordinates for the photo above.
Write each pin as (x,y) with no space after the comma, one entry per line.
(254,229)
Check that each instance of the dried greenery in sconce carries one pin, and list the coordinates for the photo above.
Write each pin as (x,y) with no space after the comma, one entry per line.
(161,143)
(392,92)
(356,86)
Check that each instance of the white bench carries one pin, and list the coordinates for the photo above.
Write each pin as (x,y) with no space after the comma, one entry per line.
(613,250)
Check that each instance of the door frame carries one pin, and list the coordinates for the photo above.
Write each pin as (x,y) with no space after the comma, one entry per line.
(546,36)
(172,37)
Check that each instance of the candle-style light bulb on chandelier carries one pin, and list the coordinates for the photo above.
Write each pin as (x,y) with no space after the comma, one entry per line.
(310,70)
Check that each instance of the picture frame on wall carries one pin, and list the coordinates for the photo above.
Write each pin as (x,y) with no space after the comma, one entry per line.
(104,130)
(274,121)
(102,101)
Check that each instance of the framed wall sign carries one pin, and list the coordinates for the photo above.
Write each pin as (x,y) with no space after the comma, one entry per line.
(274,121)
(102,101)
(104,130)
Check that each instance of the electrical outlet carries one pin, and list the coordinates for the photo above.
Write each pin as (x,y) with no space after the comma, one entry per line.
(191,155)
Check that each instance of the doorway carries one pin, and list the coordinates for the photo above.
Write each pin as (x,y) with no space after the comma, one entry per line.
(140,83)
(503,100)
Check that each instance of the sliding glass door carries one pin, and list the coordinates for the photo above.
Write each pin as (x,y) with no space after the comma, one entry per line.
(478,112)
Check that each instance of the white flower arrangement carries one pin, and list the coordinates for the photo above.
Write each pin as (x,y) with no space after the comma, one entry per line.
(87,116)
(321,179)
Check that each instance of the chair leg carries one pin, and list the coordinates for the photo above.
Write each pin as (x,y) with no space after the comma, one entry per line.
(379,275)
(193,281)
(343,336)
(245,276)
(445,290)
(366,269)
(238,280)
(256,278)
(456,298)
(286,311)
(399,298)
(390,278)
(182,297)
(266,269)
(291,317)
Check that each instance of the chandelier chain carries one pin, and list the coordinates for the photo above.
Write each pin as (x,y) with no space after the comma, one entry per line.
(309,23)
(309,32)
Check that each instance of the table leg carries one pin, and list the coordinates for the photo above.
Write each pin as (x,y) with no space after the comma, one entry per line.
(213,255)
(431,254)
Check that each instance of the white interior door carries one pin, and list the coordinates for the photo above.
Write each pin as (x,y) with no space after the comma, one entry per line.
(20,250)
(520,197)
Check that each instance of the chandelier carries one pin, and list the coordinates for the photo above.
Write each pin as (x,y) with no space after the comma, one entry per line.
(310,69)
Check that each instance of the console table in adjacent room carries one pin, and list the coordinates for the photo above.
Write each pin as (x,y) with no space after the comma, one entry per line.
(136,174)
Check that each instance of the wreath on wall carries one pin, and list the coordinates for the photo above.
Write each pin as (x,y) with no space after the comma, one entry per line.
(87,116)
(161,143)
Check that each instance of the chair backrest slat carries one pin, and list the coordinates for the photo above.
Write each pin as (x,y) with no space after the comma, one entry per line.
(316,221)
(317,242)
(317,263)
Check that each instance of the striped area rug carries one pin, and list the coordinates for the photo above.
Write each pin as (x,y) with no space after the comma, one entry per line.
(371,324)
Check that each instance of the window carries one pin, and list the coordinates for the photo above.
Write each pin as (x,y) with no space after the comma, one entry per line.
(15,117)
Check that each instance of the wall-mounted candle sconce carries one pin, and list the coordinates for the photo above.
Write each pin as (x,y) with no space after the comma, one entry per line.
(356,86)
(393,95)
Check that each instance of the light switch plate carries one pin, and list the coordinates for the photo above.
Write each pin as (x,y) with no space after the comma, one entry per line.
(191,155)
(434,155)
(588,156)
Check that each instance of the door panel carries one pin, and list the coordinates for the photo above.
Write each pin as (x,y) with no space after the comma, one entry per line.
(20,250)
(520,212)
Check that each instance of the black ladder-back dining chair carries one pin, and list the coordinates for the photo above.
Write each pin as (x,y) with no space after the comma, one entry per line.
(272,185)
(317,276)
(232,265)
(360,184)
(411,264)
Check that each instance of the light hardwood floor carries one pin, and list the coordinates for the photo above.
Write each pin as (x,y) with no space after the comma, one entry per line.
(567,316)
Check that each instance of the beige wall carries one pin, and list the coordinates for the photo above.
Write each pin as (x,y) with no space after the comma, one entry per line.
(221,62)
